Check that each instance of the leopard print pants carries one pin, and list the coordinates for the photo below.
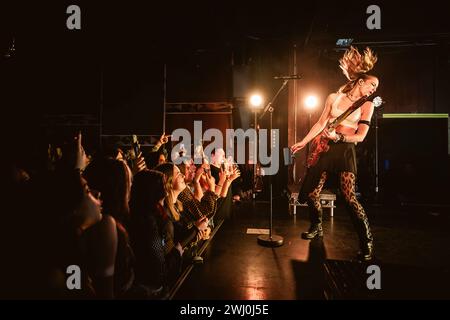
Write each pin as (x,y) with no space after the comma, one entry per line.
(355,209)
(348,181)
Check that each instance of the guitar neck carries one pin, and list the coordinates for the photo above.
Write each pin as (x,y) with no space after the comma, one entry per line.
(357,104)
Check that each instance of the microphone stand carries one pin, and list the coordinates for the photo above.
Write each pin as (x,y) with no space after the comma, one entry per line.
(376,165)
(271,240)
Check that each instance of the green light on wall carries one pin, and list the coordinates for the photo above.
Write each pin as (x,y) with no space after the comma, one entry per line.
(415,115)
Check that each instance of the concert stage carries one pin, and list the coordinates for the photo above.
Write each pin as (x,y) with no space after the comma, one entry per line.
(410,251)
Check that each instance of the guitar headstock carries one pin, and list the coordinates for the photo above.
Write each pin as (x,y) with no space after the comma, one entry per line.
(377,101)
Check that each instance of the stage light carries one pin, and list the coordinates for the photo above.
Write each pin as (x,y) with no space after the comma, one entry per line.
(344,42)
(311,102)
(256,101)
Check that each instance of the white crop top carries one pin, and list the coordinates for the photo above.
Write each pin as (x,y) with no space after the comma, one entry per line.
(352,119)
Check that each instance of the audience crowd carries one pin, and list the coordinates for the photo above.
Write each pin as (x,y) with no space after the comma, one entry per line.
(128,224)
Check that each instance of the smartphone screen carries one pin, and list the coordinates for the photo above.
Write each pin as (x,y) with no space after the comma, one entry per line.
(136,147)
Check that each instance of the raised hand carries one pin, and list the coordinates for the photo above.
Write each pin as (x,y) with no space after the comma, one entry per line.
(210,179)
(164,138)
(222,176)
(205,234)
(198,174)
(81,159)
(235,173)
(138,164)
(202,223)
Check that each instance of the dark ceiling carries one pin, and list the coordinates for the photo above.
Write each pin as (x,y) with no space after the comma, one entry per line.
(122,43)
(188,26)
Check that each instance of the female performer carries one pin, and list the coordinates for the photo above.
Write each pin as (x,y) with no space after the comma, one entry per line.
(341,158)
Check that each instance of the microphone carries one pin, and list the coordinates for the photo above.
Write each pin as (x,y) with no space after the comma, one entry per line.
(292,77)
(378,102)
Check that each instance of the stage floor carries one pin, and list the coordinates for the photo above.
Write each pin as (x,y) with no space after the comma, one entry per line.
(411,249)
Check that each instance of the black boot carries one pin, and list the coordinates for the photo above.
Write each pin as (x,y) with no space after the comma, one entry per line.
(315,216)
(366,253)
(365,239)
(314,231)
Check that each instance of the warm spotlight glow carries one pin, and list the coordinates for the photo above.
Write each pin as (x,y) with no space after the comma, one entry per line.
(256,101)
(311,102)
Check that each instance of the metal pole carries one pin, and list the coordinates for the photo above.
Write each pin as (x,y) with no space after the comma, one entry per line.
(271,240)
(309,128)
(376,156)
(270,177)
(294,174)
(255,157)
(101,107)
(165,101)
(295,96)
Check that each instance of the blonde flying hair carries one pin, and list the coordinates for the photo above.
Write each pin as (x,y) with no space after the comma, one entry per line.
(355,66)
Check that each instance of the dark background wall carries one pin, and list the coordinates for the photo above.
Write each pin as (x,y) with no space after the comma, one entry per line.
(113,69)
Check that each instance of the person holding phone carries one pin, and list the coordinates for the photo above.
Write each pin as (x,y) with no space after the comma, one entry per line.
(158,154)
(138,161)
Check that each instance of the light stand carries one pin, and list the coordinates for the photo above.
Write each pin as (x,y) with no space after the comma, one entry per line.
(310,104)
(309,128)
(255,103)
(271,240)
(255,148)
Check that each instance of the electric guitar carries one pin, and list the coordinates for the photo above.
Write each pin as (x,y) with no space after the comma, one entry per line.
(320,145)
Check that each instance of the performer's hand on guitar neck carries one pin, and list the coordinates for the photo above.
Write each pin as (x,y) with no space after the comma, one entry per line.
(330,134)
(298,146)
